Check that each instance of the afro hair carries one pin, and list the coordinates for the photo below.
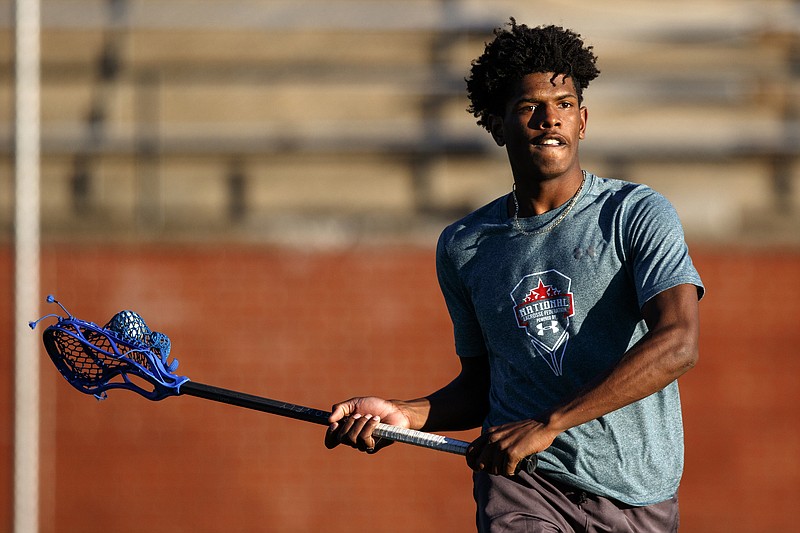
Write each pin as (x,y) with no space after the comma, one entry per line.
(518,51)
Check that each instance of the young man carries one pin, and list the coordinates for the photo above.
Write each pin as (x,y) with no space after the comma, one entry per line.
(575,309)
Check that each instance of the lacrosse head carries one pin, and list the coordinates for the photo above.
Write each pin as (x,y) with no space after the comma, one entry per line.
(124,354)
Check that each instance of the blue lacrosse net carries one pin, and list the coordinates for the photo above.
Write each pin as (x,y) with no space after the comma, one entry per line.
(125,353)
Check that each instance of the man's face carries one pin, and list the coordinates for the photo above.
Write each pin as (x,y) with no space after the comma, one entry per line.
(541,127)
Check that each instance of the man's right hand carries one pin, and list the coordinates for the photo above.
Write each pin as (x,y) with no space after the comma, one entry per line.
(353,421)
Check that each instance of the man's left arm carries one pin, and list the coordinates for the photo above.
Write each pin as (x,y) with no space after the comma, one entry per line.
(667,351)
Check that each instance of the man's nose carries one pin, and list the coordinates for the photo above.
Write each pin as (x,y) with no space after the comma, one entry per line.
(547,117)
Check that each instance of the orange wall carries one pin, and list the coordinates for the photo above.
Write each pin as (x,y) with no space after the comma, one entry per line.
(314,328)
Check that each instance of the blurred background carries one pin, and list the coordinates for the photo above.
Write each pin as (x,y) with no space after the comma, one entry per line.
(264,181)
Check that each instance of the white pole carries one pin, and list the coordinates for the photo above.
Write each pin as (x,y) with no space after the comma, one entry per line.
(26,266)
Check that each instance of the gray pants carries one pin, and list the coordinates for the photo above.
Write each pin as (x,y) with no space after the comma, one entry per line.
(536,504)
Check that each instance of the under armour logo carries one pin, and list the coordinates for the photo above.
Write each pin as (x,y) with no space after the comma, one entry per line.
(552,327)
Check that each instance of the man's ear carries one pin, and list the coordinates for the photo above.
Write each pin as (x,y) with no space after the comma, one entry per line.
(496,129)
(584,120)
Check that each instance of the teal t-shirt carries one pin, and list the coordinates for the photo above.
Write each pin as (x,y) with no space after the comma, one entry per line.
(555,309)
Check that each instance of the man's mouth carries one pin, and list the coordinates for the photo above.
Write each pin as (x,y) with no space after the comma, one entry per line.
(549,141)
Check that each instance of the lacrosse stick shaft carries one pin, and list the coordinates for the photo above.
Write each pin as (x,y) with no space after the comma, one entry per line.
(93,359)
(316,416)
(307,414)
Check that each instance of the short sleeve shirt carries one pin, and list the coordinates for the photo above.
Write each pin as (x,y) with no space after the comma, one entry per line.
(558,304)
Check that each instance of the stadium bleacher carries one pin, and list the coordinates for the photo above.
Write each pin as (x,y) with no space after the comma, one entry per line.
(344,120)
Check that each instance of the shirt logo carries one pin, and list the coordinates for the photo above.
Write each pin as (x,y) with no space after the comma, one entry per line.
(552,327)
(543,305)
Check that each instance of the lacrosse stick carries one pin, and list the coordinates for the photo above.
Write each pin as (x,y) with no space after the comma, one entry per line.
(126,354)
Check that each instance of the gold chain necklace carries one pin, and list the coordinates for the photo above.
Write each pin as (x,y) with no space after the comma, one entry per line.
(550,227)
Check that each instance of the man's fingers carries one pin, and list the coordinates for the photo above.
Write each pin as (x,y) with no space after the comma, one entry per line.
(484,455)
(354,431)
(474,452)
(360,433)
(510,467)
(338,433)
(353,422)
(370,443)
(487,460)
(332,437)
(340,411)
(356,424)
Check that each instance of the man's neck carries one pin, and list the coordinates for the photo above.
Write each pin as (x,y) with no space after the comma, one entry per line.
(536,197)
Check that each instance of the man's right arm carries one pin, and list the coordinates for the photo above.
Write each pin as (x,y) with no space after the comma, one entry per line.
(461,404)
